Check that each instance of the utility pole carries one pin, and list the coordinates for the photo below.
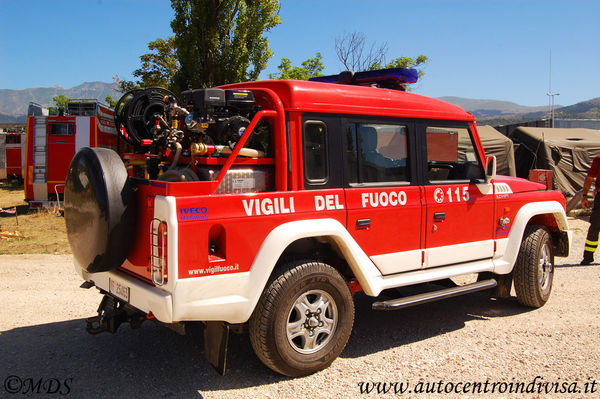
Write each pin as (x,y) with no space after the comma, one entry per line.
(550,94)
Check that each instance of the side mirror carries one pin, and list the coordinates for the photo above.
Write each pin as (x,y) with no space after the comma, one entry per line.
(490,168)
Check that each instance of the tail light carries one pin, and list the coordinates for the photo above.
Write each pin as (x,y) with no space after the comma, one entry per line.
(158,251)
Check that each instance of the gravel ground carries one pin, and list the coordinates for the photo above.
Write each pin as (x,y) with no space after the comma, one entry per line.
(448,345)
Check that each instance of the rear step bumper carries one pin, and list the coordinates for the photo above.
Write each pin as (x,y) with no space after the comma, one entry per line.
(419,299)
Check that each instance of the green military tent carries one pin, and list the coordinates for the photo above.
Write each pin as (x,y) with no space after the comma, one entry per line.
(567,152)
(495,143)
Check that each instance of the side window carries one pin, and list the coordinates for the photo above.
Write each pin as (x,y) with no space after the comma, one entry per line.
(451,155)
(13,139)
(376,153)
(351,156)
(61,129)
(314,149)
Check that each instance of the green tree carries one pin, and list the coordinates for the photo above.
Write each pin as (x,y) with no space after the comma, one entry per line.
(61,101)
(110,101)
(407,62)
(310,68)
(160,65)
(355,55)
(222,41)
(128,85)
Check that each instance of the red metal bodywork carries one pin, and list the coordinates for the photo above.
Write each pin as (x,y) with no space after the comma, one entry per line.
(401,218)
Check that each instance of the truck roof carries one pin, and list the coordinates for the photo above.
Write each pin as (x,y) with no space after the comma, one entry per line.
(321,97)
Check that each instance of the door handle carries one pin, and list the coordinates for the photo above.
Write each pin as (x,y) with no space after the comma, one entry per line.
(439,216)
(363,223)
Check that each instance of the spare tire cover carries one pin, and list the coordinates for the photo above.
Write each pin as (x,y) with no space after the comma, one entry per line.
(99,209)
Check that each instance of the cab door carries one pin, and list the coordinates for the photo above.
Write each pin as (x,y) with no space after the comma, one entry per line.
(459,204)
(61,149)
(14,154)
(383,202)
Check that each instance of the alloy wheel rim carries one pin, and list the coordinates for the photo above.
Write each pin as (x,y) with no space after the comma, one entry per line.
(545,267)
(311,321)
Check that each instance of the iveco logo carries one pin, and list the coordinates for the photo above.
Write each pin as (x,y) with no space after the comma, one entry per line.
(197,213)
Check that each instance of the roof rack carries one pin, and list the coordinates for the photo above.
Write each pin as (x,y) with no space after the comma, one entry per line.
(390,78)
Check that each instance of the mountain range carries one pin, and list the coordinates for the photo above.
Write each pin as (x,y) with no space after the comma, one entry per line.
(13,104)
(492,108)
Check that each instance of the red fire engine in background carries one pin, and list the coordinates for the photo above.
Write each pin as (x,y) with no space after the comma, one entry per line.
(52,141)
(12,153)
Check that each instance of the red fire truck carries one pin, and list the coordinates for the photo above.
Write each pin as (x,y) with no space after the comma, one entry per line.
(263,207)
(12,153)
(53,140)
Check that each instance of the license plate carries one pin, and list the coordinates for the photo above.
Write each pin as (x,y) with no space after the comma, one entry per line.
(119,290)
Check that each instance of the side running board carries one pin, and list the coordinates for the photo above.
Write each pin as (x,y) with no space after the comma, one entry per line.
(419,299)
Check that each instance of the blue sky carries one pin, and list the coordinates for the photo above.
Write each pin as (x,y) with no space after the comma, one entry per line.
(484,49)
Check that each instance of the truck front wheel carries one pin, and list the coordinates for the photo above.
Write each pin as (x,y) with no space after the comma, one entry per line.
(303,320)
(534,269)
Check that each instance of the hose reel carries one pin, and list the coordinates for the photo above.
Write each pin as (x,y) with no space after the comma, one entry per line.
(136,113)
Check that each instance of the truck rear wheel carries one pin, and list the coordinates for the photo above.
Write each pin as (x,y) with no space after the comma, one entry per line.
(534,269)
(303,320)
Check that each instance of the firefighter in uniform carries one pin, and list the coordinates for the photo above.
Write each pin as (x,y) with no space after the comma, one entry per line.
(591,241)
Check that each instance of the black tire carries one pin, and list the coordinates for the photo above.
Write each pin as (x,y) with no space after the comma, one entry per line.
(534,269)
(296,343)
(99,209)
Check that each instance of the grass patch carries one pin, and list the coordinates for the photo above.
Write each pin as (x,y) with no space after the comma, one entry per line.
(41,231)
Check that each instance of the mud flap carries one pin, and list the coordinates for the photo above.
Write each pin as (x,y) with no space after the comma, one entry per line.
(216,339)
(504,286)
